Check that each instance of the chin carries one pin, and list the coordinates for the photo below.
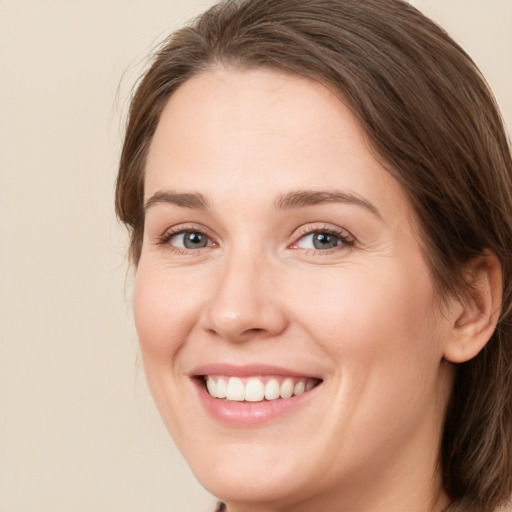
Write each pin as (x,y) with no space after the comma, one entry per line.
(251,482)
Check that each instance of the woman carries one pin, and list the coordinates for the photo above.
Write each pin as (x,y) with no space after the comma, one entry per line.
(319,194)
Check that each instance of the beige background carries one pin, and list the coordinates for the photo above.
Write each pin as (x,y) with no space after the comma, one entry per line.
(78,430)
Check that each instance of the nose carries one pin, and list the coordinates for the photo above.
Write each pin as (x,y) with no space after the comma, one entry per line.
(244,303)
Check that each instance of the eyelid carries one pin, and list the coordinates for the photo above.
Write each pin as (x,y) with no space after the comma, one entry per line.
(346,238)
(173,231)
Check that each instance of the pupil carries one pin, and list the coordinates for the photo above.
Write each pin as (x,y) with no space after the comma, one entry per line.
(324,241)
(194,240)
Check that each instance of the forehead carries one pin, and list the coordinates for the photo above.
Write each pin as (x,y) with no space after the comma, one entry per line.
(262,131)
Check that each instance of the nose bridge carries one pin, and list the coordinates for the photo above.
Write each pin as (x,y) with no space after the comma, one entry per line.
(243,303)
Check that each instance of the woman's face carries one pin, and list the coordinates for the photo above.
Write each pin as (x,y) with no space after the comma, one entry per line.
(278,257)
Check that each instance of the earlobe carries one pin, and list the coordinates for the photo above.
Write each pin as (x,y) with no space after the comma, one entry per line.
(478,312)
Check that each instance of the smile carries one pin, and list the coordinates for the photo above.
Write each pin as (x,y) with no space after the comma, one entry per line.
(251,395)
(257,389)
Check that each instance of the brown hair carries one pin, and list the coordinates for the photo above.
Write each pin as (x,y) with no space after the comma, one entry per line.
(433,123)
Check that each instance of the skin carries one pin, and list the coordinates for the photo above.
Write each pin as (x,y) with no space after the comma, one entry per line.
(362,316)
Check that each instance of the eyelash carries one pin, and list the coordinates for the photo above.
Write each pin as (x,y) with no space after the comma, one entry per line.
(169,235)
(346,241)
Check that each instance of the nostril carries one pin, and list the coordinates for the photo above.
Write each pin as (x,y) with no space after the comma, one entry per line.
(254,331)
(241,319)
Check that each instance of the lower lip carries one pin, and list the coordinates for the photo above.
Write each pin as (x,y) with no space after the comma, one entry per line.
(247,414)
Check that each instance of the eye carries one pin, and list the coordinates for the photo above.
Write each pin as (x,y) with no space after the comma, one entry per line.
(188,240)
(319,241)
(323,240)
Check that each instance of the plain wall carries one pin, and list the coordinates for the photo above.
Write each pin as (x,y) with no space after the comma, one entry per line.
(78,429)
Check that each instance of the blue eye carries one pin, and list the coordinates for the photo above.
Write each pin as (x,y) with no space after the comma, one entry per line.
(323,240)
(319,241)
(189,240)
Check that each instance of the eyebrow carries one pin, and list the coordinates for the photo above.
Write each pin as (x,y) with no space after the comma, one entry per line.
(288,201)
(186,200)
(301,198)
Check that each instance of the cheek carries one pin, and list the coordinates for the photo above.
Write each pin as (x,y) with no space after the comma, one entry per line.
(383,315)
(164,308)
(384,335)
(161,308)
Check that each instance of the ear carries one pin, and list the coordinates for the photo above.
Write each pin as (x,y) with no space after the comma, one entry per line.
(475,316)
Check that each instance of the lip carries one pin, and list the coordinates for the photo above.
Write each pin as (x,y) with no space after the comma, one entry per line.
(248,414)
(247,370)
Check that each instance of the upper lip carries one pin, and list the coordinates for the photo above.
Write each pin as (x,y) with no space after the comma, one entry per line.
(246,370)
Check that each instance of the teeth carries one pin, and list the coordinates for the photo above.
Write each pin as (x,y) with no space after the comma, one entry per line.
(272,389)
(222,388)
(235,390)
(309,385)
(254,390)
(299,388)
(286,390)
(211,386)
